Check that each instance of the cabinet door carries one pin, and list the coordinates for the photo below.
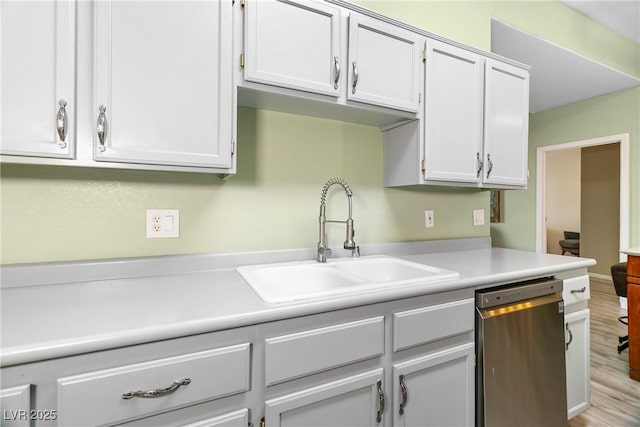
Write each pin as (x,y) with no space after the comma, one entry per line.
(506,129)
(353,401)
(15,403)
(293,45)
(37,56)
(436,389)
(384,64)
(578,362)
(453,113)
(165,82)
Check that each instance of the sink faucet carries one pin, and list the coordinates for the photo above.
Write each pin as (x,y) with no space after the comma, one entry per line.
(349,243)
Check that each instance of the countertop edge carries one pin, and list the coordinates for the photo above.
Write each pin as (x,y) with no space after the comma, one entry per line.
(39,351)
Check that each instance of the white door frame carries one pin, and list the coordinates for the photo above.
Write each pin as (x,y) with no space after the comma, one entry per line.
(623,140)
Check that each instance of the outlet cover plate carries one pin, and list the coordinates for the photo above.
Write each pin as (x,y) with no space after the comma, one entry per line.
(163,223)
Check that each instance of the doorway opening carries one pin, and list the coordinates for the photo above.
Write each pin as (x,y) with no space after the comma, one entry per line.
(546,156)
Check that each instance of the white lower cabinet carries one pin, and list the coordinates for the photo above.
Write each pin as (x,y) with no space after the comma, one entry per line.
(15,403)
(356,400)
(132,391)
(358,367)
(576,294)
(340,368)
(434,389)
(577,361)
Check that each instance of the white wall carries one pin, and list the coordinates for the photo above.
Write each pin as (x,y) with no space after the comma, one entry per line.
(562,177)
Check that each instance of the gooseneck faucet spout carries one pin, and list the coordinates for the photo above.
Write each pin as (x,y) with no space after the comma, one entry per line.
(349,243)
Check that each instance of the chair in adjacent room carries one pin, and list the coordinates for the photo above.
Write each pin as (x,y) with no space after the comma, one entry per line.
(619,276)
(570,243)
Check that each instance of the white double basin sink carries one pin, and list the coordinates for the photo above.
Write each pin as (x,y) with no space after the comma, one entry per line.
(305,280)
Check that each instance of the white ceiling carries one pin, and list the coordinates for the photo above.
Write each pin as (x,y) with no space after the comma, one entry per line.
(559,76)
(623,17)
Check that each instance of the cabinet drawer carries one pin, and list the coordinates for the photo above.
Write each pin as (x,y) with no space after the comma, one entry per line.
(315,350)
(96,398)
(575,289)
(427,324)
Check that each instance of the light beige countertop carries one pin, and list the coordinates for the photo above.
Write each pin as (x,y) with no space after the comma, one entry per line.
(62,309)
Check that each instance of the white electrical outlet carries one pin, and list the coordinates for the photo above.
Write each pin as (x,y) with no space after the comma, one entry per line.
(478,217)
(163,223)
(429,220)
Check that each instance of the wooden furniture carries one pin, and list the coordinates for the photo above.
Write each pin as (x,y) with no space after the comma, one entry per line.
(633,309)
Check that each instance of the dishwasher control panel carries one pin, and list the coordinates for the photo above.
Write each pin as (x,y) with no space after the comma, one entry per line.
(515,292)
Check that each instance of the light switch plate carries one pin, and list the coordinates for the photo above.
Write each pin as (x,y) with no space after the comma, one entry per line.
(478,217)
(429,220)
(163,223)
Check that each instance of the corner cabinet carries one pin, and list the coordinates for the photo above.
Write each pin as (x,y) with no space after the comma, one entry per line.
(99,84)
(474,127)
(37,110)
(163,90)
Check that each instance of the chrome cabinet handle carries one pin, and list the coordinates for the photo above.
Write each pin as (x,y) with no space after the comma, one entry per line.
(61,123)
(579,291)
(479,165)
(355,76)
(159,392)
(566,346)
(101,128)
(336,65)
(380,401)
(403,392)
(490,165)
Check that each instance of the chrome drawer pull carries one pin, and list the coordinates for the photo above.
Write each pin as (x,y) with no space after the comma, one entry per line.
(61,123)
(490,165)
(479,165)
(101,128)
(579,291)
(355,77)
(403,392)
(380,402)
(159,392)
(566,344)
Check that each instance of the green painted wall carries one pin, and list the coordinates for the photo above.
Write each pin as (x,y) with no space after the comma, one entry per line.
(612,114)
(56,213)
(53,213)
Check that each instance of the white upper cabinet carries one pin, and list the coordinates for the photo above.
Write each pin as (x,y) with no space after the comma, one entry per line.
(294,45)
(306,48)
(453,113)
(163,83)
(474,130)
(506,124)
(384,64)
(37,56)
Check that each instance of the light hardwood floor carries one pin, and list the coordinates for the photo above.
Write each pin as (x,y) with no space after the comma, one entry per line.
(615,398)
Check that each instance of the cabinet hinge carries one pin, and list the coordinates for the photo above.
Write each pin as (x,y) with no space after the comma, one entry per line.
(233,147)
(241,3)
(423,56)
(242,60)
(423,165)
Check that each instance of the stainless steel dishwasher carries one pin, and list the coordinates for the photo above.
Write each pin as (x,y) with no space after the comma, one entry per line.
(520,349)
